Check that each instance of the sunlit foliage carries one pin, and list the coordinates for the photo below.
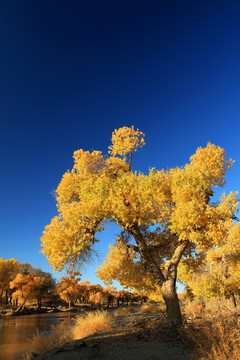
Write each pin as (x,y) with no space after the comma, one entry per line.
(35,286)
(218,274)
(8,271)
(164,215)
(67,289)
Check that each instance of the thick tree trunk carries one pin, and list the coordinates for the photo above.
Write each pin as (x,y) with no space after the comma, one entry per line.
(172,303)
(167,281)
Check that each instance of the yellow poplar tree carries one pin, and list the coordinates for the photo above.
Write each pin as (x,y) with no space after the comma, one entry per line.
(163,215)
(67,289)
(8,271)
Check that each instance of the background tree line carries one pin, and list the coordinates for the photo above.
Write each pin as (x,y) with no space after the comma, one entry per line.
(22,284)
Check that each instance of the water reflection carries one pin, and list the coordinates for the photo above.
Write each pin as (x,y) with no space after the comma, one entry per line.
(15,331)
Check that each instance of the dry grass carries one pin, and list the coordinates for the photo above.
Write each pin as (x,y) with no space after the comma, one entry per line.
(84,326)
(215,336)
(92,323)
(123,311)
(45,341)
(220,307)
(193,309)
(151,308)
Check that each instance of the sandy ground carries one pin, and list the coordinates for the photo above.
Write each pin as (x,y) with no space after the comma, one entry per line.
(141,337)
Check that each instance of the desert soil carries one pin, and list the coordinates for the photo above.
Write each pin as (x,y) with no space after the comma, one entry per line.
(134,337)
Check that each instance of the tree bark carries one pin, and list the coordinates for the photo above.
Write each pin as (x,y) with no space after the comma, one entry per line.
(6,294)
(170,297)
(39,304)
(166,282)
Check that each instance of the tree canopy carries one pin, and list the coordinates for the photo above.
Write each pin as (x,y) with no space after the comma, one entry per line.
(163,215)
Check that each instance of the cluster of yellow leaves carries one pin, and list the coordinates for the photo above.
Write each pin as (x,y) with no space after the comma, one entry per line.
(126,140)
(193,217)
(24,286)
(67,289)
(123,264)
(8,270)
(31,286)
(218,272)
(211,163)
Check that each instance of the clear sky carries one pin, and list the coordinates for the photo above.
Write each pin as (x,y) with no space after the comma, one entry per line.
(73,71)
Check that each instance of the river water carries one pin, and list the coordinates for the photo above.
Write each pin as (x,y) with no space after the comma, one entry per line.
(15,331)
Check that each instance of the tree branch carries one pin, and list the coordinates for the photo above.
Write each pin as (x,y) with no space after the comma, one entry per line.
(133,247)
(172,268)
(146,254)
(130,161)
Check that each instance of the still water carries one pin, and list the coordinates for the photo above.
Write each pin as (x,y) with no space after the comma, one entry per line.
(15,331)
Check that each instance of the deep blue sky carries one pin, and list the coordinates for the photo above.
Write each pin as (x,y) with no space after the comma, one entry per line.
(73,71)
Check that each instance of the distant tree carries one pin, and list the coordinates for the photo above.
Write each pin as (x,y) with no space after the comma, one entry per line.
(83,291)
(43,286)
(36,285)
(163,216)
(23,287)
(8,271)
(67,289)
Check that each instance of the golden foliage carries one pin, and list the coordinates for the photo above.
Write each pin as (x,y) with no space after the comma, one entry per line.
(171,209)
(8,271)
(33,286)
(126,140)
(218,274)
(67,289)
(121,264)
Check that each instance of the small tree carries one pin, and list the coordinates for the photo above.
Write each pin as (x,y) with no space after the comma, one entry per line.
(8,271)
(23,286)
(67,289)
(163,216)
(34,285)
(43,285)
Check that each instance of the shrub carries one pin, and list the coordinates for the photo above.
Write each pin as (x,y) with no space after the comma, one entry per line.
(92,323)
(193,309)
(151,308)
(123,311)
(216,339)
(42,342)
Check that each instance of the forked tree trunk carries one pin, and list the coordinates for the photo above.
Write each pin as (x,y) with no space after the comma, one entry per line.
(166,282)
(172,303)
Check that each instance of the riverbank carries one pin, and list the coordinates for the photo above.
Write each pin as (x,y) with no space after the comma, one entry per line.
(133,336)
(29,310)
(26,311)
